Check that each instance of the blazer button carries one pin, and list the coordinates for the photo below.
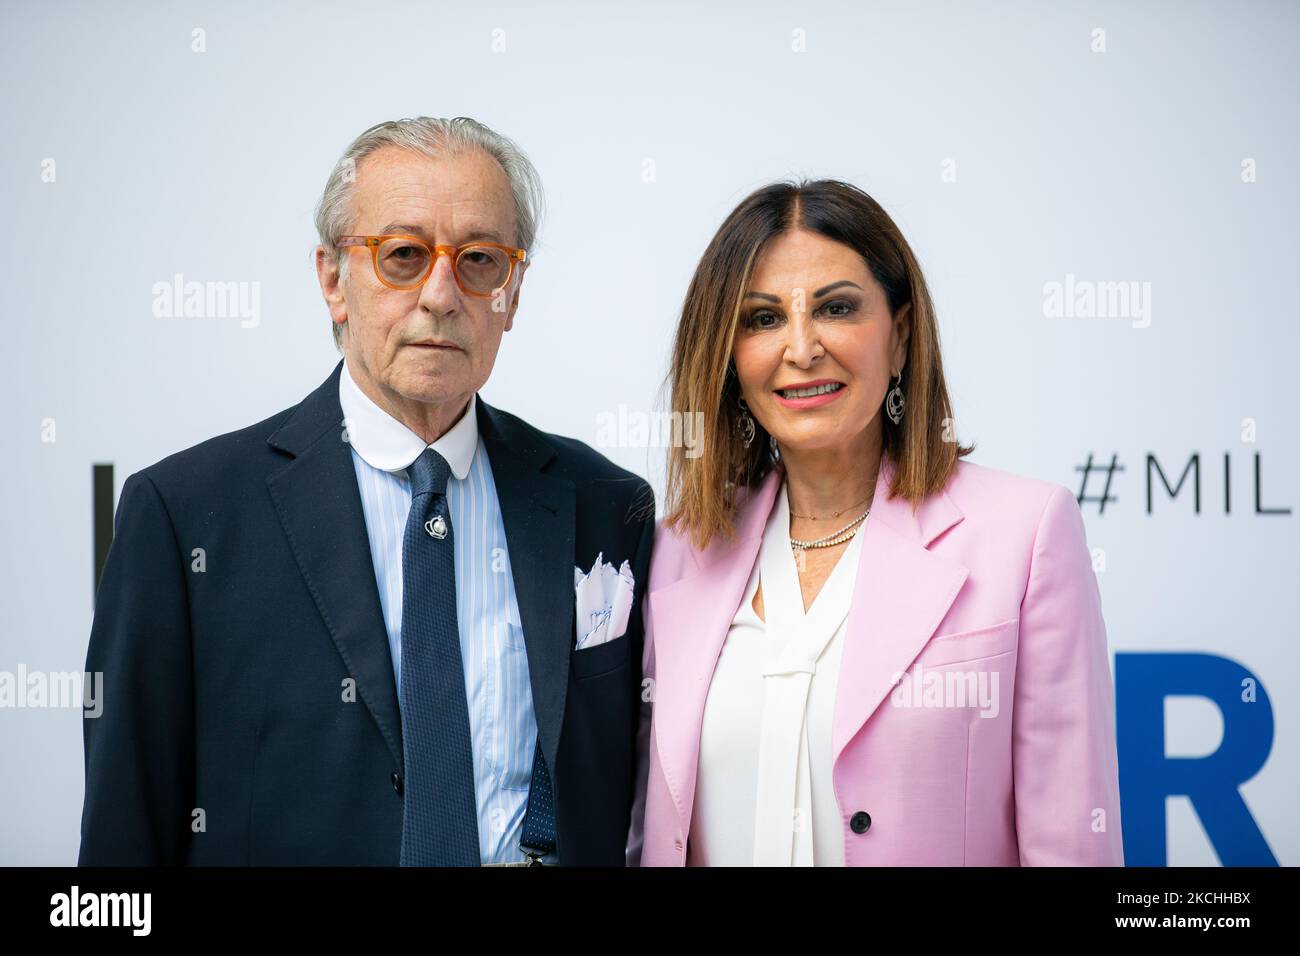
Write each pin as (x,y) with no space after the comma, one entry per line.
(860,821)
(397,783)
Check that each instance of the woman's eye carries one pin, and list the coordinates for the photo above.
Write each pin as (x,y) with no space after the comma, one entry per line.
(762,320)
(838,307)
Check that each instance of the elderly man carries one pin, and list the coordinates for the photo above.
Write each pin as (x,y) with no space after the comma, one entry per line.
(347,634)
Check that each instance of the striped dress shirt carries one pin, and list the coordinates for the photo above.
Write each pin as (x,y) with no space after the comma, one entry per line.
(501,717)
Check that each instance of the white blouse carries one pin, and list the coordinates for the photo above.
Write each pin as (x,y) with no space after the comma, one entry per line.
(763,793)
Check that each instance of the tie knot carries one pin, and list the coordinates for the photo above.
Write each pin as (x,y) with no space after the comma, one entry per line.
(429,473)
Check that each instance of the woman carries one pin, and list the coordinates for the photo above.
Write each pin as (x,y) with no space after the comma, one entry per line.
(864,650)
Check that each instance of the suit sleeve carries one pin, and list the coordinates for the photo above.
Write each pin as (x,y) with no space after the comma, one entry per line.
(636,829)
(139,751)
(1063,735)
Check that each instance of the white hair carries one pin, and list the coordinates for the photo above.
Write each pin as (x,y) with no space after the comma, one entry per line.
(434,138)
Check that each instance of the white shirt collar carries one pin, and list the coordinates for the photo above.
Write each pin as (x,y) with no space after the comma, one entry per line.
(385,443)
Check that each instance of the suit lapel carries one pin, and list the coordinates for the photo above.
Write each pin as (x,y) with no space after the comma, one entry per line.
(697,611)
(539,514)
(319,506)
(902,593)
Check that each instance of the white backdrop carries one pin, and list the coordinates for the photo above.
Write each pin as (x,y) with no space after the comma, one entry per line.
(1016,144)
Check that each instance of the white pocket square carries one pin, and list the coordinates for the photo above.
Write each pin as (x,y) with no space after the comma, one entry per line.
(604,598)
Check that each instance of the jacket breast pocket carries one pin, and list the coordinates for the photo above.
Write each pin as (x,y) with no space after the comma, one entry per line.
(601,659)
(970,645)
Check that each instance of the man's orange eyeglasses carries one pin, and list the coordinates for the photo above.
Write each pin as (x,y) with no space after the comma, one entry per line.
(404,262)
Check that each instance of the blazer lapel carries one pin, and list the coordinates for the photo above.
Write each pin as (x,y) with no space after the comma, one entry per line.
(697,610)
(319,506)
(903,592)
(539,514)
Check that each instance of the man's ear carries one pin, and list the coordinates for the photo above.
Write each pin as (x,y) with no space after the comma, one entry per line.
(514,299)
(331,287)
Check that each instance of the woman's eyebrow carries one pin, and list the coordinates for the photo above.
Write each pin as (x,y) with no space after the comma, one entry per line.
(816,295)
(835,285)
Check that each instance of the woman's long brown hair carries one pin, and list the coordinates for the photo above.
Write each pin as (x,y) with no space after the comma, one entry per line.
(701,499)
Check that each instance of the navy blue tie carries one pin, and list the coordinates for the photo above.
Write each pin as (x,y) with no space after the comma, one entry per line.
(439,812)
(538,838)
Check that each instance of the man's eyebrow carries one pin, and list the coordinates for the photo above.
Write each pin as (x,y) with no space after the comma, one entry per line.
(481,235)
(401,227)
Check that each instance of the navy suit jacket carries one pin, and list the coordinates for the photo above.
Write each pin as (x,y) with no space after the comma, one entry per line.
(225,736)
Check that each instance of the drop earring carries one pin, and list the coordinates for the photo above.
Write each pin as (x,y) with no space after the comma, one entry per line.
(895,404)
(745,425)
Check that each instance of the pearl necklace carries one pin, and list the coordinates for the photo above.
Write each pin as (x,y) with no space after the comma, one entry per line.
(835,537)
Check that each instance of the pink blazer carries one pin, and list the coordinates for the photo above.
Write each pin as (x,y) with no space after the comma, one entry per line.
(993,576)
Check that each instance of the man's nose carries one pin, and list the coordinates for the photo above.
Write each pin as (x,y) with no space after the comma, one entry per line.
(440,294)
